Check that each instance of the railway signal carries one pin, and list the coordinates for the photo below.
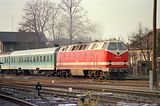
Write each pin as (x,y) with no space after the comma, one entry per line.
(38,88)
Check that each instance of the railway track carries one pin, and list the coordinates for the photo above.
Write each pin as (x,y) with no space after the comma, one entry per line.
(44,79)
(120,94)
(8,97)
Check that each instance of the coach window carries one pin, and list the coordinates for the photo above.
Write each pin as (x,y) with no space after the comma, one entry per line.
(51,57)
(37,59)
(7,60)
(27,59)
(4,60)
(13,59)
(19,59)
(31,59)
(34,60)
(47,58)
(44,58)
(24,59)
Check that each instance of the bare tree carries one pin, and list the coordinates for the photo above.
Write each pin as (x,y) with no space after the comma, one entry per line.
(67,19)
(75,19)
(36,17)
(37,14)
(56,29)
(140,40)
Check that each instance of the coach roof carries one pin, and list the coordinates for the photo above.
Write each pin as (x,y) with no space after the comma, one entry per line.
(34,51)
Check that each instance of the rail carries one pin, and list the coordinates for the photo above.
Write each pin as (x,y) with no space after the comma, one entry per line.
(15,100)
(63,90)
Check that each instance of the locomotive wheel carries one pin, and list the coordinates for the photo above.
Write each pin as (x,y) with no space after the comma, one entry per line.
(101,75)
(68,74)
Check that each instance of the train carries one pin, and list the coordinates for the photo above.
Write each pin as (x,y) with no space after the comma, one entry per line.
(99,59)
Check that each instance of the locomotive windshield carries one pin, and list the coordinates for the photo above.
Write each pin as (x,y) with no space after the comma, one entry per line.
(112,46)
(116,46)
(122,46)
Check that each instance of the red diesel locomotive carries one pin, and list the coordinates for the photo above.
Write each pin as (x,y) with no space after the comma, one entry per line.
(105,59)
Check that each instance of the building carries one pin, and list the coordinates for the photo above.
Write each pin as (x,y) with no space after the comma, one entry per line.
(12,41)
(141,57)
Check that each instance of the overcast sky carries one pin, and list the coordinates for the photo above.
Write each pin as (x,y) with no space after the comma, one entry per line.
(114,18)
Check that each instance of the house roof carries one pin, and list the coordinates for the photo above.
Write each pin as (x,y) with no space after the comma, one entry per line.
(22,37)
(149,36)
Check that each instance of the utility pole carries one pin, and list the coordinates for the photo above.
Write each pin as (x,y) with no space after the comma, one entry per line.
(154,63)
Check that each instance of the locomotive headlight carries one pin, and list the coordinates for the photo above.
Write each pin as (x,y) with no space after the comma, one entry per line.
(118,53)
(110,62)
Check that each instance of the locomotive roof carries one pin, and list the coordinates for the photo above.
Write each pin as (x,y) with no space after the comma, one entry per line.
(87,45)
(34,51)
(96,41)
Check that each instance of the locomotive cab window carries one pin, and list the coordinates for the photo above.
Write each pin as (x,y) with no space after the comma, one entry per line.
(112,46)
(122,46)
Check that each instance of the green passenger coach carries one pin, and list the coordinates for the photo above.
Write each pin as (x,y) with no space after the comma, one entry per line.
(4,61)
(36,60)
